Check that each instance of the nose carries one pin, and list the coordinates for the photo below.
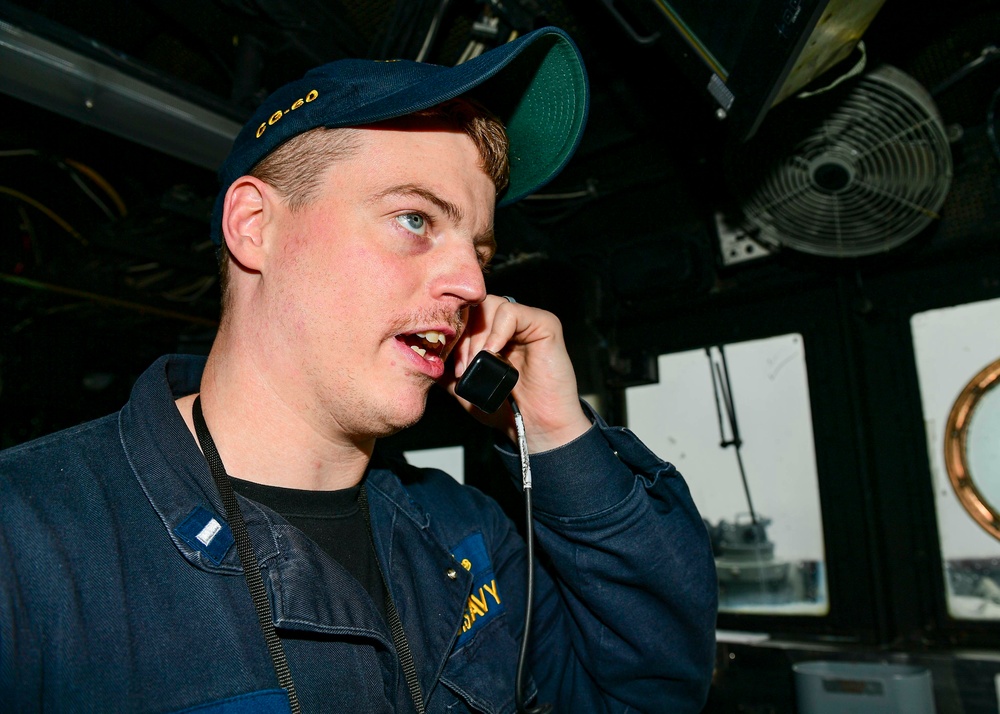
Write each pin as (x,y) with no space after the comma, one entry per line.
(458,274)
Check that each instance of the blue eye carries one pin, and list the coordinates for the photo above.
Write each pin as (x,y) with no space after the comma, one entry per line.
(413,222)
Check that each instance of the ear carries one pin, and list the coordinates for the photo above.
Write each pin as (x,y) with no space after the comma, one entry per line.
(243,219)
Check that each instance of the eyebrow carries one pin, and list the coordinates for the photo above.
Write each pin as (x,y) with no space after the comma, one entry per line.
(410,189)
(485,240)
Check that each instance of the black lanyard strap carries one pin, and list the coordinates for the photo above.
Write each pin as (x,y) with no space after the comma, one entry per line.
(248,559)
(395,623)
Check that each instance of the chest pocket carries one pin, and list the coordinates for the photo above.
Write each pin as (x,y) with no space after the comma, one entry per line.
(483,665)
(481,674)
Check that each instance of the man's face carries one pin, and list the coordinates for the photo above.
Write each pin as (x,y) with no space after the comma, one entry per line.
(368,287)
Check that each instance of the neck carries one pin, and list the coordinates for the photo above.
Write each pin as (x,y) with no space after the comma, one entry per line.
(263,439)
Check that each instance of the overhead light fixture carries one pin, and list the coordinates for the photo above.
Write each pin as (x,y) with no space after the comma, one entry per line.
(61,80)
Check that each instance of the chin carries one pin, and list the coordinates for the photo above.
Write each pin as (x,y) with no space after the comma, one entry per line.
(401,416)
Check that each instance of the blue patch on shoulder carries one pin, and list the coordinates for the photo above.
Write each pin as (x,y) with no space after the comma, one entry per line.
(206,532)
(485,601)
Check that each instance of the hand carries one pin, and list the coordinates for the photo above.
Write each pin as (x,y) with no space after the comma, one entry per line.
(546,390)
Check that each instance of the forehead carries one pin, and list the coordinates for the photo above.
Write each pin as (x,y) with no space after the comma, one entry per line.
(412,134)
(433,163)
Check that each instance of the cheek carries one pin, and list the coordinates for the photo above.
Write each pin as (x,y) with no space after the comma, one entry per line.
(358,287)
(384,273)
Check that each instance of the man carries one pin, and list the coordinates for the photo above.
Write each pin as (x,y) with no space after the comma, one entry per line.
(354,222)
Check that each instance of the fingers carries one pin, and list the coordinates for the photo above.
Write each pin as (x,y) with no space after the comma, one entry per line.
(532,340)
(492,326)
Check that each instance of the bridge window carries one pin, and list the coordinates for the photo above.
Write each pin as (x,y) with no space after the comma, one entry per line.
(735,420)
(952,346)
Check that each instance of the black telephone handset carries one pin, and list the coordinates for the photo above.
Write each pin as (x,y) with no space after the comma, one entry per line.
(488,381)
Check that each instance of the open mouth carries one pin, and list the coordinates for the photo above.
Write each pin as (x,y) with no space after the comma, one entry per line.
(429,345)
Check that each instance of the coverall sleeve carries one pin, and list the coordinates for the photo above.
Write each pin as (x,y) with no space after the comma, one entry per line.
(626,590)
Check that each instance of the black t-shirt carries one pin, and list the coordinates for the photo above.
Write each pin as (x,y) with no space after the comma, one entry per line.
(333,519)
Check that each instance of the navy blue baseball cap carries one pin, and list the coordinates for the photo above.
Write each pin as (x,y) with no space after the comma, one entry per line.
(536,84)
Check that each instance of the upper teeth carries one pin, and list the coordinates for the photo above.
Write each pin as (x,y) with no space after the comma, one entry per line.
(432,336)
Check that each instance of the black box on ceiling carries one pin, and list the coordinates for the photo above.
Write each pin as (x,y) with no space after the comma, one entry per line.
(748,55)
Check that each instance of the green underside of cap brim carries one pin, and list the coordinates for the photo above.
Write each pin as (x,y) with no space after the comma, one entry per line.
(545,121)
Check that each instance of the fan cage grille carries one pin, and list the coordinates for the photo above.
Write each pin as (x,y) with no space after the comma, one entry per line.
(870,177)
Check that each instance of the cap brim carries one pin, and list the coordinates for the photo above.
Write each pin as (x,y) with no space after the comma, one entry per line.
(536,84)
(542,97)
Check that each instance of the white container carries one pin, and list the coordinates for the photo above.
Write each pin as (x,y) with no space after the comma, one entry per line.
(862,688)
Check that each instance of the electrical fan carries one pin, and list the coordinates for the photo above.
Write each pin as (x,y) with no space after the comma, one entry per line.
(858,173)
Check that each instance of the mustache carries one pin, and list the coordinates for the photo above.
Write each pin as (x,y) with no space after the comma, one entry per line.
(454,319)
